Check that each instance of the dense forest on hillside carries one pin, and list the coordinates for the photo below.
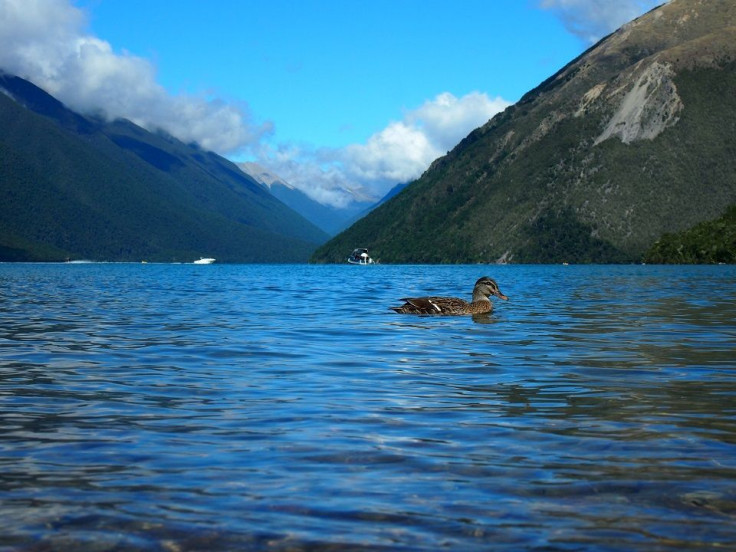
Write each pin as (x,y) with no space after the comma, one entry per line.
(708,242)
(76,187)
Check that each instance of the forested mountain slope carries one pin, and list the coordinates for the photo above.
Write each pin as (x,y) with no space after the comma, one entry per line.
(631,140)
(73,187)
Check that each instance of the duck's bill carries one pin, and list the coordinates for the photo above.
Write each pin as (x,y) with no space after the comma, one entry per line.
(502,296)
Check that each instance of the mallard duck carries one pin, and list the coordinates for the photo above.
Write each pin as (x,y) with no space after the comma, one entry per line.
(480,304)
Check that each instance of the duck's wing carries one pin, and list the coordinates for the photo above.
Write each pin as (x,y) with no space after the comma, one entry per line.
(431,305)
(413,305)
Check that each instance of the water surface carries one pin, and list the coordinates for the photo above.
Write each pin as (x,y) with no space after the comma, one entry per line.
(182,407)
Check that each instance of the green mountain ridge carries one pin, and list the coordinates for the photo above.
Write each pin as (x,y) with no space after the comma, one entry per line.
(631,140)
(72,186)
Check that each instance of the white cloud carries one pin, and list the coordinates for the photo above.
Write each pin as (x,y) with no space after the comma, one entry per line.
(399,153)
(45,41)
(591,20)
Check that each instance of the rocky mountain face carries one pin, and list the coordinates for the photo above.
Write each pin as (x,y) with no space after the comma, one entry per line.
(73,187)
(631,140)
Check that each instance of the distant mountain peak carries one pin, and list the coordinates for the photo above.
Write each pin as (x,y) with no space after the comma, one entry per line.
(262,175)
(327,217)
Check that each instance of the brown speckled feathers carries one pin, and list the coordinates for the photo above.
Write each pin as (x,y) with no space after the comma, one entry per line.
(480,304)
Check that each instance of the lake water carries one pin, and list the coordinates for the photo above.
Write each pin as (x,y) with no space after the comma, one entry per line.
(182,407)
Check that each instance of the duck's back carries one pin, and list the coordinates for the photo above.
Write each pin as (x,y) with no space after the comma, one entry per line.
(441,305)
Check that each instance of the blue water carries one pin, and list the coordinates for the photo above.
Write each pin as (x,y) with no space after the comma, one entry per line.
(182,407)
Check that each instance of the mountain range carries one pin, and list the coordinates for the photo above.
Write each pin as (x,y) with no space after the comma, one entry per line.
(79,187)
(327,217)
(632,140)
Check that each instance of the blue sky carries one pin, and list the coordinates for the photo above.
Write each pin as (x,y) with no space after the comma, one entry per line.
(335,72)
(342,98)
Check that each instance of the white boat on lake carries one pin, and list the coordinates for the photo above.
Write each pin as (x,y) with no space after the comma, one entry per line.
(360,257)
(204,260)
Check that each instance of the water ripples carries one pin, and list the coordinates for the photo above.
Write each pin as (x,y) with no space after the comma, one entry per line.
(165,407)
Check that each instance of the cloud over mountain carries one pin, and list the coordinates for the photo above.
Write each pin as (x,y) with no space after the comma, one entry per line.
(591,20)
(48,42)
(45,41)
(399,153)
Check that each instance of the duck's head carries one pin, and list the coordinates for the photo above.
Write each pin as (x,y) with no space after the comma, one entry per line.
(486,287)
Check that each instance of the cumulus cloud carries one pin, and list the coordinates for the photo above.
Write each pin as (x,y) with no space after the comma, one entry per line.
(400,152)
(591,20)
(45,42)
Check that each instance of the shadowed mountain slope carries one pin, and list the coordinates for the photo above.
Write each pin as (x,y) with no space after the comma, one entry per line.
(73,186)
